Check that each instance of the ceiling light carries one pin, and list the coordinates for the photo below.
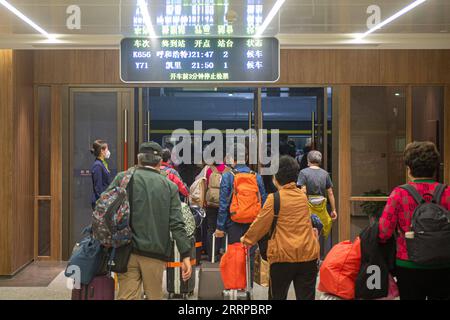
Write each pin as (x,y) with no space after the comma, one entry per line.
(146,16)
(397,94)
(390,19)
(19,14)
(269,18)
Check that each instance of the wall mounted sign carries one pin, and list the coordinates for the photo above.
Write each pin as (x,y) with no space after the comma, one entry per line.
(199,59)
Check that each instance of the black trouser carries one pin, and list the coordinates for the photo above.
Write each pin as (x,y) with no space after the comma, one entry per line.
(211,226)
(303,274)
(419,284)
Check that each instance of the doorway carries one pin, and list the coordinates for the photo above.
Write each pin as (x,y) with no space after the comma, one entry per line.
(106,114)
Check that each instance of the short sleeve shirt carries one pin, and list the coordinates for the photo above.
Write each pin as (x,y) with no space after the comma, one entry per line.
(316,181)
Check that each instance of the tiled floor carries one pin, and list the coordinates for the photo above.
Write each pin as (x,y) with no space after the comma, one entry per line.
(56,288)
(37,274)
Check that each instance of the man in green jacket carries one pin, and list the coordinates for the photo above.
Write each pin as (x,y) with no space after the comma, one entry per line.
(155,214)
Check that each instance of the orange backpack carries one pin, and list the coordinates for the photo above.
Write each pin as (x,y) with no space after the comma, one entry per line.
(340,268)
(246,199)
(233,267)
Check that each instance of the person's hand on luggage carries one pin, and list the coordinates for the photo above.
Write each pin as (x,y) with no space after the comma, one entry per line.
(219,234)
(186,269)
(242,240)
(333,215)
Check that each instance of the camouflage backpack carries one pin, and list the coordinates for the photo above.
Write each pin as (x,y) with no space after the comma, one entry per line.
(189,220)
(111,217)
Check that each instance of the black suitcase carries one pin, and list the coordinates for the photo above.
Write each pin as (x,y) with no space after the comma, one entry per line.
(176,287)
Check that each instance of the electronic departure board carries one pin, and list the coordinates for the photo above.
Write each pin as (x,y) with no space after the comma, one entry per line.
(199,59)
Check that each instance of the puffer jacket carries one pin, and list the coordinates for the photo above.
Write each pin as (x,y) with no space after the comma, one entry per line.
(293,239)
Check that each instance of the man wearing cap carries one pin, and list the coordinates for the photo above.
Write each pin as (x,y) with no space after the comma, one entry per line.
(155,213)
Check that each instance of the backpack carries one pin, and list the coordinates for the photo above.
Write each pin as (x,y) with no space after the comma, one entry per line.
(246,198)
(430,223)
(197,192)
(189,220)
(111,217)
(213,190)
(318,206)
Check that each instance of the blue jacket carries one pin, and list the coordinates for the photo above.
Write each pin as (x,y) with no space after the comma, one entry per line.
(223,218)
(101,178)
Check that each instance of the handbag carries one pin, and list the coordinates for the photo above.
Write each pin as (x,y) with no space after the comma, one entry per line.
(88,256)
(119,257)
(262,271)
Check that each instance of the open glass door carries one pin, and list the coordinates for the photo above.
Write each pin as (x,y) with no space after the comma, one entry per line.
(303,118)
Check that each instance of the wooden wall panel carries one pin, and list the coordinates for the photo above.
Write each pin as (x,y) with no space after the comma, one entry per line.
(52,66)
(394,66)
(309,66)
(6,146)
(88,66)
(23,172)
(344,162)
(357,66)
(111,66)
(56,174)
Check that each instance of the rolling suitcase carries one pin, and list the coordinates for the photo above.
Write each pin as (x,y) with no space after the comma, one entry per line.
(199,216)
(176,287)
(100,288)
(244,293)
(210,285)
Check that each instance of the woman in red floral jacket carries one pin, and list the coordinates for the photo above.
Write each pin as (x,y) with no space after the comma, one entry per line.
(415,282)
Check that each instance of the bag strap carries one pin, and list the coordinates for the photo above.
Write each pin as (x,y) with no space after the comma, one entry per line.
(438,192)
(276,212)
(127,178)
(414,193)
(214,169)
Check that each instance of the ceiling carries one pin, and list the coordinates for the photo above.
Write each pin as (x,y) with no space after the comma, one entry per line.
(300,23)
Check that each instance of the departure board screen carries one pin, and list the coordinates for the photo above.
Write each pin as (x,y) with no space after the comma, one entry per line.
(201,59)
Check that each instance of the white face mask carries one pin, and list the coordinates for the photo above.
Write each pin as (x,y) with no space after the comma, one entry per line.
(108,154)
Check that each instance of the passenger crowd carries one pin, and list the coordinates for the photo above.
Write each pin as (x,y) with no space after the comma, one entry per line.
(285,220)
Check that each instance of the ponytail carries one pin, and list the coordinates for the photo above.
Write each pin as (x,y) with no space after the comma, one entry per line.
(97,147)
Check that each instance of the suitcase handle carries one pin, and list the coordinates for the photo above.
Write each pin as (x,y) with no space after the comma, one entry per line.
(213,249)
(248,270)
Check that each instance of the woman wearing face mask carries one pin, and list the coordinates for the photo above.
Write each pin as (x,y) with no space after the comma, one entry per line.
(101,176)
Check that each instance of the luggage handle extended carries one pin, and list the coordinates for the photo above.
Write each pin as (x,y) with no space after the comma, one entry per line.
(213,249)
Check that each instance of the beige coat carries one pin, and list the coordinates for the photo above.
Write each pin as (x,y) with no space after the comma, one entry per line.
(294,239)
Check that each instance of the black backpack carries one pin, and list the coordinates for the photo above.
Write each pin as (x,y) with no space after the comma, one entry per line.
(431,226)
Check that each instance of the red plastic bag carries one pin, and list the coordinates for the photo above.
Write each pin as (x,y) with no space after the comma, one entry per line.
(233,268)
(340,268)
